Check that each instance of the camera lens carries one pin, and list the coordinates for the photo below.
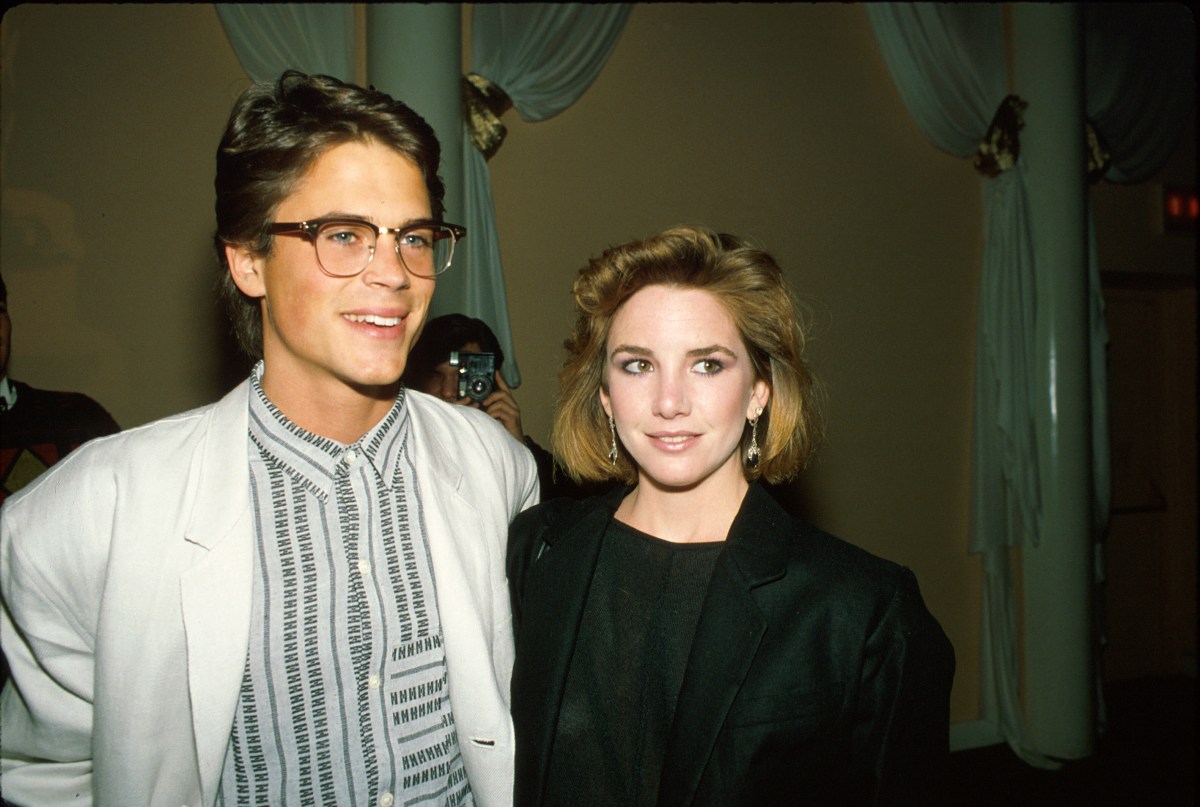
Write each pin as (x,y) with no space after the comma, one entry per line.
(479,386)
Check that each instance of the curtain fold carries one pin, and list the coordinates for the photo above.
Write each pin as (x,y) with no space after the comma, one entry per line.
(1140,64)
(270,38)
(544,56)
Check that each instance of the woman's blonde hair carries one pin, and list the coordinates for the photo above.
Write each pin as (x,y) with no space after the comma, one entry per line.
(751,287)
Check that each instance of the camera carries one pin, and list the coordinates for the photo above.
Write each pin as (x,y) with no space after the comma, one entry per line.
(476,374)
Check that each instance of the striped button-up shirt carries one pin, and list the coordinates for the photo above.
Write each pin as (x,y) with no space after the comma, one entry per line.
(344,698)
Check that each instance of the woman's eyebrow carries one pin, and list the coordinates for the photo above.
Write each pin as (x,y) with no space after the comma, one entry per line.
(704,351)
(636,350)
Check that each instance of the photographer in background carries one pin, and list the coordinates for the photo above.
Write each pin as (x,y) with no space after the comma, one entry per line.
(430,370)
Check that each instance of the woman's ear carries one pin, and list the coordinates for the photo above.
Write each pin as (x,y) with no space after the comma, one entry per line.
(605,401)
(246,269)
(760,394)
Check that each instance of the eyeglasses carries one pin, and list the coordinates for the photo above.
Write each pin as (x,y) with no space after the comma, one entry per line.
(345,246)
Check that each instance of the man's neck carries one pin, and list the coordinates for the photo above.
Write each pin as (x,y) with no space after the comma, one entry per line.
(338,411)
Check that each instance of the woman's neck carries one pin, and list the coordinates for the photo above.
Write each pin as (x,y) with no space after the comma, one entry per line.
(697,514)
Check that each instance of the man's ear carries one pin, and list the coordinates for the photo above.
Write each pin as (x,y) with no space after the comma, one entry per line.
(246,270)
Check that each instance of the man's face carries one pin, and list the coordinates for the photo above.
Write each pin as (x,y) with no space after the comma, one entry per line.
(325,338)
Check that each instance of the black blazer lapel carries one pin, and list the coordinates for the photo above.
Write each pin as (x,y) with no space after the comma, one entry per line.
(727,636)
(555,593)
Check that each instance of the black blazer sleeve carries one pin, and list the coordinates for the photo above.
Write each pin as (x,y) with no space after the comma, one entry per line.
(901,735)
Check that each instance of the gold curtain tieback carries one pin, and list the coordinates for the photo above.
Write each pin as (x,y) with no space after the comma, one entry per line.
(484,103)
(1001,145)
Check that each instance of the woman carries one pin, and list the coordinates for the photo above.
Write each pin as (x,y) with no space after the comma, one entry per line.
(682,640)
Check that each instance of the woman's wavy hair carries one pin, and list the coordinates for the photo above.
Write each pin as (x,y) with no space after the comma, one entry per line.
(744,279)
(275,133)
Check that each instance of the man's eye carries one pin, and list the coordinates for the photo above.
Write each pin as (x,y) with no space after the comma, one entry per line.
(344,235)
(417,239)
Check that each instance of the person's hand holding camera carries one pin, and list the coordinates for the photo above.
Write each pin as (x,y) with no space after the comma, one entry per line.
(503,407)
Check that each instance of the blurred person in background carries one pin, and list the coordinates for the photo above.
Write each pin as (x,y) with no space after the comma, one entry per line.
(429,370)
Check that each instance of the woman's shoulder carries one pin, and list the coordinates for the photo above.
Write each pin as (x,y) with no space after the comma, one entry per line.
(843,569)
(548,519)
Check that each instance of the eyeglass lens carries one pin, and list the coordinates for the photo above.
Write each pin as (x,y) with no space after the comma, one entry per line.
(345,248)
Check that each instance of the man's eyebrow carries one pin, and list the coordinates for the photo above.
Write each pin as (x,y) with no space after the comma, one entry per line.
(340,214)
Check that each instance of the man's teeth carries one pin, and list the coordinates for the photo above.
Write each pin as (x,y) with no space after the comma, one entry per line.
(385,322)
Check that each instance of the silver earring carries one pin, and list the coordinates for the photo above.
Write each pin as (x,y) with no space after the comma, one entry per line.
(752,453)
(612,451)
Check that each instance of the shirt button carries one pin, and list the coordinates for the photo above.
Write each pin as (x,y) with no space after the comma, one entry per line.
(364,567)
(373,682)
(386,800)
(349,456)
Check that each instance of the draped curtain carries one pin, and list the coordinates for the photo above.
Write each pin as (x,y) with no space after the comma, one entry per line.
(949,65)
(543,56)
(271,38)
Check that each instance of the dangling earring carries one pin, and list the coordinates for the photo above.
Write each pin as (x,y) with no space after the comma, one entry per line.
(612,451)
(752,453)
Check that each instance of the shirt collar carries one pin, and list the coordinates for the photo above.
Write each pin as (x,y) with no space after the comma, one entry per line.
(8,395)
(315,461)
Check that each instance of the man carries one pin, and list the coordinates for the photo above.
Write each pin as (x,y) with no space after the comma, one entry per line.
(296,595)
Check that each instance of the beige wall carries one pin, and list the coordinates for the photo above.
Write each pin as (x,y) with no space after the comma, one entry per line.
(111,116)
(778,122)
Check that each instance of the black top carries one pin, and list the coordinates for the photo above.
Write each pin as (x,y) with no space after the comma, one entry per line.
(628,665)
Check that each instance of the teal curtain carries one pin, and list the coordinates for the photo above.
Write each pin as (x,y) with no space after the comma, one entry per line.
(271,38)
(543,56)
(1141,77)
(948,63)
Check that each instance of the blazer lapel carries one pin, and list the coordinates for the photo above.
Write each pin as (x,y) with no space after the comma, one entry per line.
(555,594)
(727,637)
(216,590)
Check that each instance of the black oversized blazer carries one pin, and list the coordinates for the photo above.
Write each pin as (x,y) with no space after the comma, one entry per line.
(816,674)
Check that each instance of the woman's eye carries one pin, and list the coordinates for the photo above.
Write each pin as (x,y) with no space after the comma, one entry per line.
(636,366)
(709,366)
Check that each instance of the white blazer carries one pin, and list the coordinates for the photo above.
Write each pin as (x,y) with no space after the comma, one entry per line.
(126,576)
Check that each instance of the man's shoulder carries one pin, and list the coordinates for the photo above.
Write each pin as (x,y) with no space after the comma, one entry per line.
(459,425)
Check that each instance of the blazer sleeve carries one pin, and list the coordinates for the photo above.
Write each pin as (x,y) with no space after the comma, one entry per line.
(526,543)
(47,629)
(901,735)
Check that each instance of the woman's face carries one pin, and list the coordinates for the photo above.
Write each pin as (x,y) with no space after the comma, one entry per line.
(680,387)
